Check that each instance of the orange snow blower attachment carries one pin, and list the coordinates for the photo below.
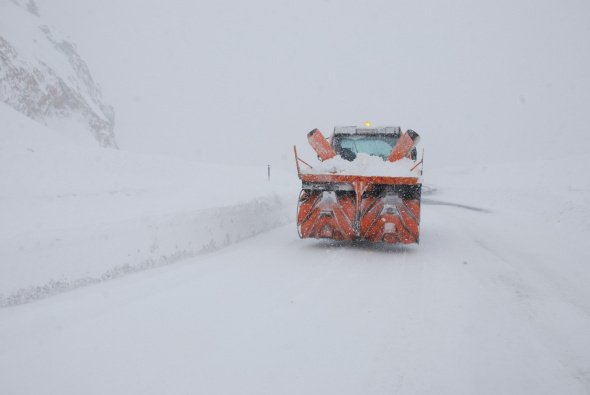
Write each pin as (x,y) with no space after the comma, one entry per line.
(338,202)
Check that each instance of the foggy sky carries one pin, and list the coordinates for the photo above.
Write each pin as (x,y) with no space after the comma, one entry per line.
(242,82)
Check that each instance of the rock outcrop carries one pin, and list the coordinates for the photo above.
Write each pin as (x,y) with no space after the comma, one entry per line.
(43,76)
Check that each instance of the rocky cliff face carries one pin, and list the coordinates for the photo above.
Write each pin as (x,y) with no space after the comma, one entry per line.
(43,76)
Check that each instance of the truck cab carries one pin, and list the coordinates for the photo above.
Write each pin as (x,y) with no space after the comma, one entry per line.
(349,141)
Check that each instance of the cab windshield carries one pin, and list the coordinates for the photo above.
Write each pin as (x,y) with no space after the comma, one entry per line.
(376,145)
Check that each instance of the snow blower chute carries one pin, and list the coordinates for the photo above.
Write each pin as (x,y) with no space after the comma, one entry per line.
(367,186)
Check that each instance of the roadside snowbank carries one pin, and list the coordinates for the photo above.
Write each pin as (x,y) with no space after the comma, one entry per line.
(72,215)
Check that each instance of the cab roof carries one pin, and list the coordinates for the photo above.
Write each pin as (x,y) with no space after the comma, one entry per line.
(391,130)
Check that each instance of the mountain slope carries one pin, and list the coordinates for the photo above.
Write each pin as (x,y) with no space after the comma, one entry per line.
(43,76)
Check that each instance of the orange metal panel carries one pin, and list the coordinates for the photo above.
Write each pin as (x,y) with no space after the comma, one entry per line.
(350,179)
(320,145)
(326,218)
(403,147)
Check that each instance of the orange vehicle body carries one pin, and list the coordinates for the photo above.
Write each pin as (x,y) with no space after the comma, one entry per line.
(354,207)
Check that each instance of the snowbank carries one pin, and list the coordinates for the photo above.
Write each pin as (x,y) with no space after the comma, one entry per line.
(40,264)
(73,215)
(365,165)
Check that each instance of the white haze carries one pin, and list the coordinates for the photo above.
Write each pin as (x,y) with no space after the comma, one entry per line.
(241,82)
(494,299)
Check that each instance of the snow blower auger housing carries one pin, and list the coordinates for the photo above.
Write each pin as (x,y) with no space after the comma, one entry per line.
(367,186)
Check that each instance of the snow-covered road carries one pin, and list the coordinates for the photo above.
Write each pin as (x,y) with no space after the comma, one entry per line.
(469,310)
(128,272)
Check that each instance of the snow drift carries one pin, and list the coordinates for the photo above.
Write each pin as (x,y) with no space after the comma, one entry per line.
(366,165)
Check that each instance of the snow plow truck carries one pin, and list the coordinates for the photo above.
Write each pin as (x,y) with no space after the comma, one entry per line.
(367,186)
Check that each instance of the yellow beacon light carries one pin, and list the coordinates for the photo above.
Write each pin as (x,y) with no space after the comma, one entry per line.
(367,124)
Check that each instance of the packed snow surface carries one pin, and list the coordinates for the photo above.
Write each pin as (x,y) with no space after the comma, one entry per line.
(495,299)
(365,165)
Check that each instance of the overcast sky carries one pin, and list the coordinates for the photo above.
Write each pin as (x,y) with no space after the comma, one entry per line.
(242,82)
